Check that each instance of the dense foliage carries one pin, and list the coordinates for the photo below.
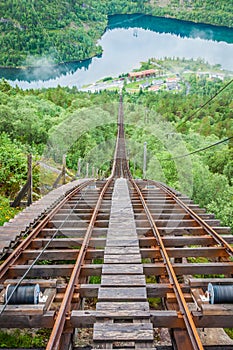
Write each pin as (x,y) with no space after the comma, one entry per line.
(60,31)
(51,122)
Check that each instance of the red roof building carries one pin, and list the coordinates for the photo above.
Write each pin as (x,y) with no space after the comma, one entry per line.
(143,73)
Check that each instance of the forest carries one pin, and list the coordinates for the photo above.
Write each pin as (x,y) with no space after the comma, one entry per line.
(65,31)
(51,122)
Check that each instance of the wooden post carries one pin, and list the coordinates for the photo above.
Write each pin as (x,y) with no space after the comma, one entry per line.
(79,168)
(64,169)
(29,179)
(144,160)
(93,171)
(87,170)
(27,188)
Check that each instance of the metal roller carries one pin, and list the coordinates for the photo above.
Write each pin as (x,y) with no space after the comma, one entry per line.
(22,294)
(220,294)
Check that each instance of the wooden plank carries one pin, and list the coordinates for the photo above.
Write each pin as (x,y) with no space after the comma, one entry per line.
(182,339)
(54,270)
(26,310)
(122,258)
(121,235)
(88,290)
(192,268)
(67,242)
(176,223)
(40,270)
(122,294)
(124,308)
(49,294)
(123,280)
(4,245)
(91,270)
(166,319)
(171,241)
(28,321)
(124,269)
(185,252)
(64,254)
(171,297)
(158,290)
(121,250)
(75,232)
(206,268)
(203,282)
(123,332)
(212,321)
(217,309)
(115,311)
(123,242)
(210,252)
(51,283)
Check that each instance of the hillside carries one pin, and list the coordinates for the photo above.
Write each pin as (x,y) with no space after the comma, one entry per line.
(51,122)
(63,31)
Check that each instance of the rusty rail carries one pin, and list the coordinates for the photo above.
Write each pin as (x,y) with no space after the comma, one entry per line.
(89,247)
(208,229)
(25,243)
(65,309)
(191,328)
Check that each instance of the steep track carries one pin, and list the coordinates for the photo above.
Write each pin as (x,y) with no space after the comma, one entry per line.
(143,239)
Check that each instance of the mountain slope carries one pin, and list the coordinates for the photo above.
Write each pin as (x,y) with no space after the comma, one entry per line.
(62,31)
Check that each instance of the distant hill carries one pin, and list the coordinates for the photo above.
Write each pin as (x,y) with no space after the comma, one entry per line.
(64,31)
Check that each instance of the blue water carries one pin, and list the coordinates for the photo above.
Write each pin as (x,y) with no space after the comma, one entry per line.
(127,41)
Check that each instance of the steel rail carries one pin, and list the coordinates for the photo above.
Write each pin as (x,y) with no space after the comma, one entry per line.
(26,242)
(220,240)
(190,325)
(65,308)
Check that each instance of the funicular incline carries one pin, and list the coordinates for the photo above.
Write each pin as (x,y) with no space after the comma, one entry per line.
(141,238)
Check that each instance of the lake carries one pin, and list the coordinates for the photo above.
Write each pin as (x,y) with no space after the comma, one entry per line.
(127,41)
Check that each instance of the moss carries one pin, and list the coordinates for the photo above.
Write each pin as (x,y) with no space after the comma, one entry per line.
(229,332)
(23,338)
(6,212)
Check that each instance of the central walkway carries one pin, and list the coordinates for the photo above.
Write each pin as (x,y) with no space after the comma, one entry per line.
(122,307)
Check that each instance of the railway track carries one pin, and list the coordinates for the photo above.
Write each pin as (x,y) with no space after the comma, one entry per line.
(120,243)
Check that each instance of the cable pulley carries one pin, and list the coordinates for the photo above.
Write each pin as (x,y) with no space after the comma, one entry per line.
(220,294)
(22,294)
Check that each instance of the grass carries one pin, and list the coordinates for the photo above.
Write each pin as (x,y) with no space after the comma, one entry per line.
(203,260)
(229,332)
(23,339)
(6,212)
(96,279)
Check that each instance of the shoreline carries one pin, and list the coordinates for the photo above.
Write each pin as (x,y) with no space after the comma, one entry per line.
(78,61)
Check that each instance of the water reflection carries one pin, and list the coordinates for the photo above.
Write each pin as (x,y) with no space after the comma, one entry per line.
(45,72)
(128,40)
(182,29)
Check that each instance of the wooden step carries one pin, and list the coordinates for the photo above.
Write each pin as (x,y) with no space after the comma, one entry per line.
(122,294)
(123,280)
(121,250)
(122,258)
(116,310)
(123,332)
(122,269)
